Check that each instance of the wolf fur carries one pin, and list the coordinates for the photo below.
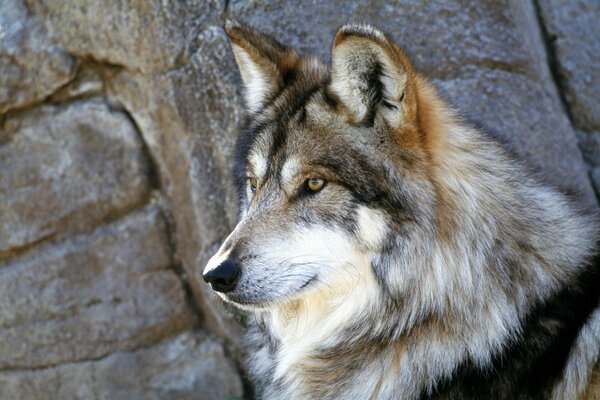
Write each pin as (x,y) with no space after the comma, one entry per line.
(430,264)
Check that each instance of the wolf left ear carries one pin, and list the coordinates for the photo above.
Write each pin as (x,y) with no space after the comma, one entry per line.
(370,75)
(264,63)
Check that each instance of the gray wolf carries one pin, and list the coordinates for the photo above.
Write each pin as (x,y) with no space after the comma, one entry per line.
(389,250)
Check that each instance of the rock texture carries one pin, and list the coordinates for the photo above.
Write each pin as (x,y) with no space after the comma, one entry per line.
(91,295)
(32,66)
(573,36)
(573,41)
(187,366)
(66,168)
(117,125)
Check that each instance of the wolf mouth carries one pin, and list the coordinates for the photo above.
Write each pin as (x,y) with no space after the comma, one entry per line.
(250,301)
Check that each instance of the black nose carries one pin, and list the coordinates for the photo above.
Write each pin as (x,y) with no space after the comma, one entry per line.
(223,278)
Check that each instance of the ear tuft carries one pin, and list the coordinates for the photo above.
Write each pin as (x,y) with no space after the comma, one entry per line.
(263,62)
(369,74)
(359,30)
(230,24)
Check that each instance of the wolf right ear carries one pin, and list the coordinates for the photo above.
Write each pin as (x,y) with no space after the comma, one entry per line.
(264,63)
(371,76)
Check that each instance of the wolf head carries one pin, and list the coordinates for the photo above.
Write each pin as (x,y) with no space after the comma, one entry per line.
(358,184)
(328,162)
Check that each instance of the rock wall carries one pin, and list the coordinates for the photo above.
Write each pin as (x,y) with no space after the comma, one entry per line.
(117,122)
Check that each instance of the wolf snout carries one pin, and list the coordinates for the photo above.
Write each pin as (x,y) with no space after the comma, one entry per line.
(224,277)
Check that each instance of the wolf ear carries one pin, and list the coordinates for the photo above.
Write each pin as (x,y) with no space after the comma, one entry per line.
(370,75)
(264,63)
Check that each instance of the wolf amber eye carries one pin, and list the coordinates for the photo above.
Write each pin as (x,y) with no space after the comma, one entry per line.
(253,182)
(315,184)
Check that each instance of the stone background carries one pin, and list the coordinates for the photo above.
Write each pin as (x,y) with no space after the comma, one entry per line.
(117,121)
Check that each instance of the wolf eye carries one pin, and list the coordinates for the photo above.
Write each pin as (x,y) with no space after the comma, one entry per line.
(253,182)
(315,184)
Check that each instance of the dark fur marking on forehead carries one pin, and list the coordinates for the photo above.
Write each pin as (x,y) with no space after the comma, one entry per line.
(248,136)
(296,105)
(298,88)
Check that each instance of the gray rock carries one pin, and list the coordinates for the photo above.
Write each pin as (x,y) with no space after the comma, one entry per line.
(31,66)
(148,36)
(91,295)
(595,174)
(574,30)
(213,125)
(589,143)
(177,81)
(65,169)
(189,117)
(88,82)
(185,367)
